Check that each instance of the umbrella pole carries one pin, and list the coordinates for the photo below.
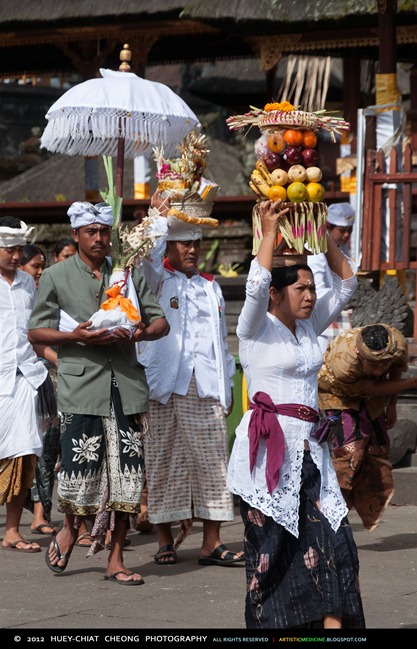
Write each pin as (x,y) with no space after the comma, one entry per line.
(125,57)
(120,166)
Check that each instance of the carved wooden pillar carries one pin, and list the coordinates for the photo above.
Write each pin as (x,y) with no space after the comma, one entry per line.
(140,48)
(387,36)
(351,91)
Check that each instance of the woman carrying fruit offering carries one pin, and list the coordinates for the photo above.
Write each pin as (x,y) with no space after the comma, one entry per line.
(301,559)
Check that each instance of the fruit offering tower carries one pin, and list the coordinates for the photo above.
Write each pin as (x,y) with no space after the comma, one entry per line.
(287,169)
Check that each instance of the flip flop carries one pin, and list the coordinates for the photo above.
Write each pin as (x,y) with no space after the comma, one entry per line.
(38,530)
(84,536)
(221,556)
(65,555)
(132,582)
(13,547)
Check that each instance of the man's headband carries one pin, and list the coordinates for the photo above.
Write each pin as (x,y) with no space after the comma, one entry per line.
(83,213)
(10,237)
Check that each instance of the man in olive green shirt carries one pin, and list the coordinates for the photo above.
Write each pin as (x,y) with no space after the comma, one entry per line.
(102,393)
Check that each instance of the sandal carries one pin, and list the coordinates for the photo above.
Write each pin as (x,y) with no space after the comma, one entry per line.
(85,536)
(166,552)
(124,582)
(61,555)
(29,550)
(221,556)
(42,529)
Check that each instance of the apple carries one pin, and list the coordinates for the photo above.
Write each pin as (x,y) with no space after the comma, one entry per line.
(292,155)
(273,161)
(310,157)
(279,177)
(314,174)
(297,173)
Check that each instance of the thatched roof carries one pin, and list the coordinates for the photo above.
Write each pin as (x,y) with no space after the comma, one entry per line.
(61,36)
(277,11)
(289,11)
(26,11)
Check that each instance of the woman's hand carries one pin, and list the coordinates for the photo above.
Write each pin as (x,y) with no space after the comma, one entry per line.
(271,215)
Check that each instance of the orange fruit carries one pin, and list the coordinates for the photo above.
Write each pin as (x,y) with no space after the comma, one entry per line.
(297,192)
(293,137)
(315,192)
(276,192)
(309,139)
(276,142)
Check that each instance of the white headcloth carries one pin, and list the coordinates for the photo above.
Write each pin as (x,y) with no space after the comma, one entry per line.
(83,213)
(181,231)
(341,214)
(10,237)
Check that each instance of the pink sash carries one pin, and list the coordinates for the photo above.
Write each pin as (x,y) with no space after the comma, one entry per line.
(264,422)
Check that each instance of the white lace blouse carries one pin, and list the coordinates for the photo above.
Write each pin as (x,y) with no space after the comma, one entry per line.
(285,367)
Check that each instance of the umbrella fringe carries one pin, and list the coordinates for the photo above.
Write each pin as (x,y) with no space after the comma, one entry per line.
(97,134)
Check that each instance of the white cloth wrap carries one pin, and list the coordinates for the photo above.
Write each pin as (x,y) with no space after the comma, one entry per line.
(10,237)
(113,319)
(182,231)
(82,213)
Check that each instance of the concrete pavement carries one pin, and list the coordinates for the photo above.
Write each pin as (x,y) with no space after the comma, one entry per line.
(187,595)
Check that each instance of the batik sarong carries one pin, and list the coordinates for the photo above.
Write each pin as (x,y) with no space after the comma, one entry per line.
(16,475)
(102,464)
(295,582)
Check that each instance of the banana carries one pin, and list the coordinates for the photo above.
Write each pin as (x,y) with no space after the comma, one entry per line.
(255,189)
(263,170)
(260,183)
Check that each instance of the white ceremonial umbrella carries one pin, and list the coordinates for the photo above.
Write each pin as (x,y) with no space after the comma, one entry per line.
(119,114)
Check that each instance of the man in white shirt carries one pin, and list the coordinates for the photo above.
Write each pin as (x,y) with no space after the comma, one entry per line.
(340,219)
(21,374)
(190,375)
